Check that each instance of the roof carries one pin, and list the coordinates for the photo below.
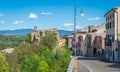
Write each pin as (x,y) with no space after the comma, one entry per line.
(113,9)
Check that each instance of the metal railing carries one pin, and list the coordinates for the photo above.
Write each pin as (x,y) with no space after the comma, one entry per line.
(70,67)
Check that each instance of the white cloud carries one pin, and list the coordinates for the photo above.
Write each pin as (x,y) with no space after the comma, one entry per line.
(68,25)
(1,15)
(95,18)
(46,13)
(78,27)
(1,22)
(18,22)
(33,16)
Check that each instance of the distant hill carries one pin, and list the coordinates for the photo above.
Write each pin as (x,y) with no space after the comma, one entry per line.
(23,32)
(65,32)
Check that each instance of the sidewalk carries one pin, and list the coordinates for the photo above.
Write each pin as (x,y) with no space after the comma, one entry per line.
(75,65)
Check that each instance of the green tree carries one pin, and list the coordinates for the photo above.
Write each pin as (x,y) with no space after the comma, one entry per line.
(50,40)
(64,36)
(3,64)
(28,38)
(43,67)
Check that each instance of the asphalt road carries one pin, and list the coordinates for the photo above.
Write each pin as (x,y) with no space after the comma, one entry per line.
(87,64)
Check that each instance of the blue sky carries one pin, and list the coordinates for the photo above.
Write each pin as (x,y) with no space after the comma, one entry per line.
(19,14)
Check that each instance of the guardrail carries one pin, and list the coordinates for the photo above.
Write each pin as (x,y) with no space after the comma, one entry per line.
(70,67)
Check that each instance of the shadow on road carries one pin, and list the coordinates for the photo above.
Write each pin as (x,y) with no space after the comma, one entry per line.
(114,65)
(87,58)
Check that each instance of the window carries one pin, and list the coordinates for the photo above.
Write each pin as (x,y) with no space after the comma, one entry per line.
(110,16)
(110,40)
(107,40)
(113,38)
(106,26)
(113,24)
(113,15)
(110,25)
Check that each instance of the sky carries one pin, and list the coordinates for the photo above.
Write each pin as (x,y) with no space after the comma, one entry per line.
(25,14)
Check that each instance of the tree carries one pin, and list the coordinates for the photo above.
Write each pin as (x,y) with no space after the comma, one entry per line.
(64,36)
(28,38)
(3,64)
(50,40)
(43,67)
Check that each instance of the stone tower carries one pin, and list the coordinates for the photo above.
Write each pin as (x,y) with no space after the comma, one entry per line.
(35,28)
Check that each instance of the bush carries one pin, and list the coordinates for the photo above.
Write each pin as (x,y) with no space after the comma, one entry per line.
(3,64)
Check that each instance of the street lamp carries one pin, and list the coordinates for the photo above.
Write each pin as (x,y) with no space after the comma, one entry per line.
(82,15)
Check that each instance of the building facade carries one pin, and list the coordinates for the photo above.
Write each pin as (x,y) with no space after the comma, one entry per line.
(81,42)
(112,31)
(96,40)
(69,41)
(35,36)
(89,43)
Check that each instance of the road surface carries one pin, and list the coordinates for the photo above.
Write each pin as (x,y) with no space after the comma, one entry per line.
(87,64)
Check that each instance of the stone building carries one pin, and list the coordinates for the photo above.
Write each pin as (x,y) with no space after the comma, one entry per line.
(89,43)
(37,36)
(81,42)
(99,45)
(96,40)
(69,41)
(90,37)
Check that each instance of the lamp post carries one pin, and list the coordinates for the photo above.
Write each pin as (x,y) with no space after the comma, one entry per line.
(75,14)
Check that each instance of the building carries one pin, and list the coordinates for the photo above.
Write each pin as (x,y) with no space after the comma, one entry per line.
(95,40)
(69,41)
(81,42)
(99,45)
(89,43)
(36,36)
(119,50)
(90,39)
(112,31)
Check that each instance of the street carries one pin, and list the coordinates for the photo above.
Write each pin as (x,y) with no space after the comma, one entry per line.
(91,64)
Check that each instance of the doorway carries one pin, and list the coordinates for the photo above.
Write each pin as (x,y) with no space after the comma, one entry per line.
(95,51)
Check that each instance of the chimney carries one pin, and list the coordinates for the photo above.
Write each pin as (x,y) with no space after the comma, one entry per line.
(90,28)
